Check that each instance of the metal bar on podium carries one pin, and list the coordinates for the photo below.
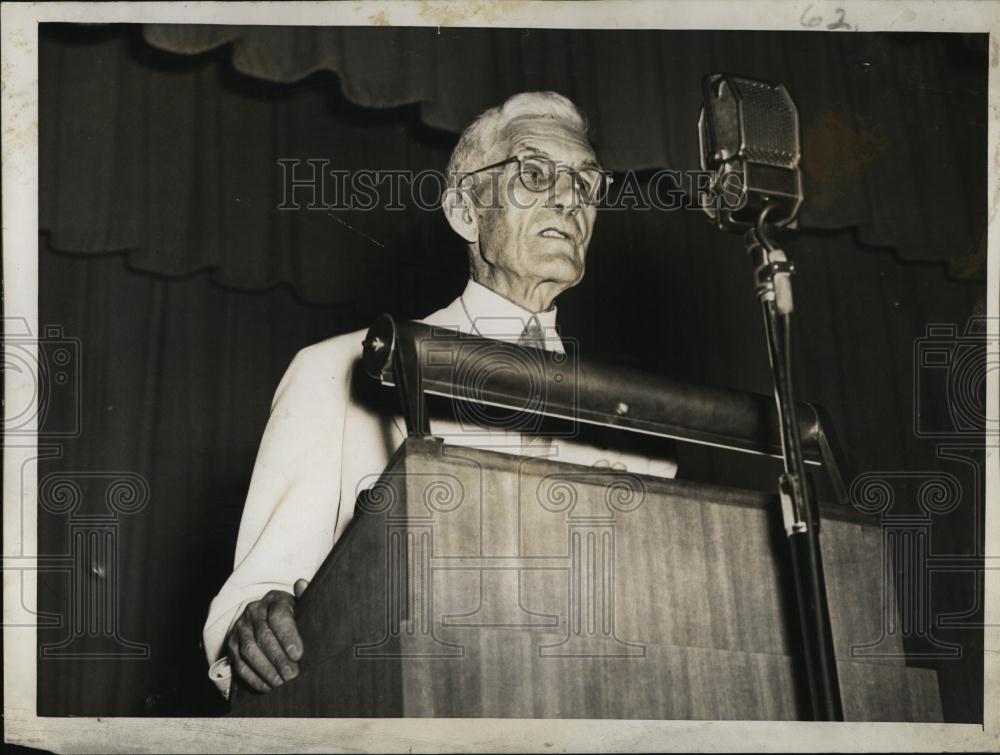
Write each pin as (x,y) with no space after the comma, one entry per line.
(465,367)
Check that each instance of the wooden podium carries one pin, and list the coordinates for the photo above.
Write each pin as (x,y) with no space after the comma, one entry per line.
(479,584)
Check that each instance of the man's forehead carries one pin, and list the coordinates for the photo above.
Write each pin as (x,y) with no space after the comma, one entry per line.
(548,136)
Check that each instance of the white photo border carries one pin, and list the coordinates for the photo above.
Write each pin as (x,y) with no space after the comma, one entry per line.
(19,61)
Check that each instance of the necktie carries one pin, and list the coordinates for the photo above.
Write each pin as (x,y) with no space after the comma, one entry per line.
(533,336)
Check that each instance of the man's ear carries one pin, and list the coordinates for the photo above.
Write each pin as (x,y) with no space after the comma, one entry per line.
(460,211)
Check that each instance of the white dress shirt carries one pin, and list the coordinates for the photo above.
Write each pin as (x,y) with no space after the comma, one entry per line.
(325,442)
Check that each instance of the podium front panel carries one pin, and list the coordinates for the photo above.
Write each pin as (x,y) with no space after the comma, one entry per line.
(480,584)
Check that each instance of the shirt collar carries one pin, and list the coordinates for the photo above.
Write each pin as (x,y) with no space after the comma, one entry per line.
(495,316)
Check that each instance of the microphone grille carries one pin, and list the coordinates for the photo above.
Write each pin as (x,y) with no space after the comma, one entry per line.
(770,122)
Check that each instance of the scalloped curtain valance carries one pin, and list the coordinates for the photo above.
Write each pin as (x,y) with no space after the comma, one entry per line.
(164,141)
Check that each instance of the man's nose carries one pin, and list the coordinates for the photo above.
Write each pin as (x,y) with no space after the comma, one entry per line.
(563,195)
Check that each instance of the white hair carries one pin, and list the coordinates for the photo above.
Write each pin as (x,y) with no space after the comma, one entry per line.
(485,134)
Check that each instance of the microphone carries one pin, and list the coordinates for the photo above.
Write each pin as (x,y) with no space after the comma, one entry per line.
(748,136)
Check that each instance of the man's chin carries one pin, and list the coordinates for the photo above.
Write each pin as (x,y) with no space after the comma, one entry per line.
(562,268)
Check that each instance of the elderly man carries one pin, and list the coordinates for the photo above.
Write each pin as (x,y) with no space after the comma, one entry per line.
(527,226)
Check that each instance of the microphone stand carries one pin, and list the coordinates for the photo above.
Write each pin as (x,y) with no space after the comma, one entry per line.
(772,279)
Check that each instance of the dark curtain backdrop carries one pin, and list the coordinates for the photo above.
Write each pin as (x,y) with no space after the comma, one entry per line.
(163,252)
(885,127)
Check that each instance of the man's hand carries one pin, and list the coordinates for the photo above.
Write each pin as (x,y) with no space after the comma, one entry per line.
(264,646)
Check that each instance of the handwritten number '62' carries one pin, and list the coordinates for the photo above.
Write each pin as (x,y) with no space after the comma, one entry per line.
(816,20)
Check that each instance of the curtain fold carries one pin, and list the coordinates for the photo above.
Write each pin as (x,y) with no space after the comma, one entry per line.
(179,152)
(176,163)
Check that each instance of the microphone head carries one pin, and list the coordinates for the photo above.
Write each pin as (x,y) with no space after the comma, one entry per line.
(748,135)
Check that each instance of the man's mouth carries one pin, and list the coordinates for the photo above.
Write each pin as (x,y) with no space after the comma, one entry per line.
(555,233)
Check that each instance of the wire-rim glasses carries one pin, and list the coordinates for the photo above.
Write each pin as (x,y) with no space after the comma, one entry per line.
(541,174)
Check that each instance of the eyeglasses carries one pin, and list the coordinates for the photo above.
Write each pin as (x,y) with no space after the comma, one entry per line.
(541,174)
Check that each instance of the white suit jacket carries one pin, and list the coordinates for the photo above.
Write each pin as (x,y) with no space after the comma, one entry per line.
(330,433)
